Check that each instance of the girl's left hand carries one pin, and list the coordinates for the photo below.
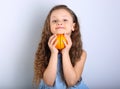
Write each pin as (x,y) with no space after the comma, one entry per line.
(67,44)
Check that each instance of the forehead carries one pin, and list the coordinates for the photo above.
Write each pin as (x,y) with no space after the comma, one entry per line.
(60,12)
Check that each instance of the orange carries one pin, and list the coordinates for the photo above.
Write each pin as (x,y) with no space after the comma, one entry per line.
(60,44)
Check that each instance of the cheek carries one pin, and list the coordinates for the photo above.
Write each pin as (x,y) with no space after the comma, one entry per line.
(70,27)
(52,28)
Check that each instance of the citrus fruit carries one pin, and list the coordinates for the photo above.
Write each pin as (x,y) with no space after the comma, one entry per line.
(60,44)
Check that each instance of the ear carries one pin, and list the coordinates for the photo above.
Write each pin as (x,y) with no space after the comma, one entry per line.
(73,27)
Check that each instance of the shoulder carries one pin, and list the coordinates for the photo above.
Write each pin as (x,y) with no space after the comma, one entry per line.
(83,55)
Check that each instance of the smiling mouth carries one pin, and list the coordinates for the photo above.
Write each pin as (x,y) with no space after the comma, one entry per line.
(59,27)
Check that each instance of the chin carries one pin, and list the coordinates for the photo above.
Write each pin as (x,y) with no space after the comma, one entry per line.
(60,32)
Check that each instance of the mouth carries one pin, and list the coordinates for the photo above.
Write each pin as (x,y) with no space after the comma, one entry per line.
(59,28)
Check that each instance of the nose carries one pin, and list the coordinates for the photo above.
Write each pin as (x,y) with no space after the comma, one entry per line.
(59,23)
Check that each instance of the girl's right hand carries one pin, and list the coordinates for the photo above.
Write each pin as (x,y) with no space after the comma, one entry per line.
(52,43)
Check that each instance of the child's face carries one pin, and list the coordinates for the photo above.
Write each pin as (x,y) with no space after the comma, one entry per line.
(61,22)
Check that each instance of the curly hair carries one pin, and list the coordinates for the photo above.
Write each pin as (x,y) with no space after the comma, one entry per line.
(43,53)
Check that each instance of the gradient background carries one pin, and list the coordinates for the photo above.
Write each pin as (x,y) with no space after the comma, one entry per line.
(20,31)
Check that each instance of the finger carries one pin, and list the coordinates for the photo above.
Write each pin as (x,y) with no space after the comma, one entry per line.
(65,43)
(53,40)
(67,38)
(69,41)
(55,43)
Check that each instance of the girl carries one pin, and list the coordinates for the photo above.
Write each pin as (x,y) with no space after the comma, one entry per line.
(60,69)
